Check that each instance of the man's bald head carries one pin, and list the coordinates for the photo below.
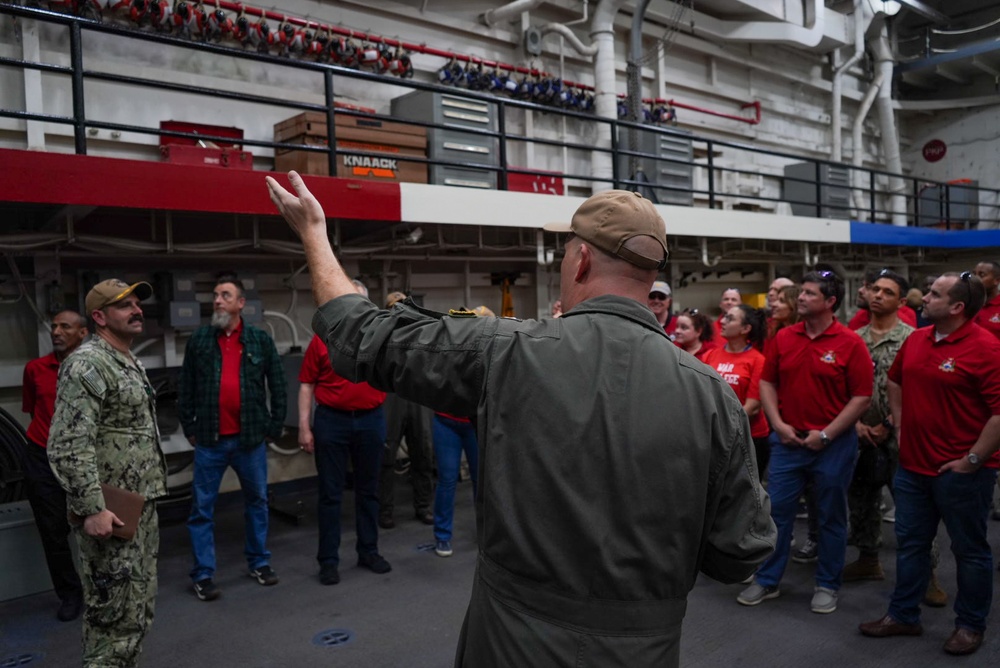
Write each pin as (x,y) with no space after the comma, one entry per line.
(777,286)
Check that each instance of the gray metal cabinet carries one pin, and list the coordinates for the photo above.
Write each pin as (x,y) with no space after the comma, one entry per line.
(832,193)
(454,145)
(668,163)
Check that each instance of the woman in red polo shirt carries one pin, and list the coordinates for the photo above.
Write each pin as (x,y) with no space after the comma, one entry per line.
(694,333)
(740,364)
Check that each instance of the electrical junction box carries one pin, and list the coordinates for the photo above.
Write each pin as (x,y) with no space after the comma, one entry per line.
(184,314)
(253,311)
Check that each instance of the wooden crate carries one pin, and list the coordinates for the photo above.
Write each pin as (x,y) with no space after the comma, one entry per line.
(389,140)
(386,166)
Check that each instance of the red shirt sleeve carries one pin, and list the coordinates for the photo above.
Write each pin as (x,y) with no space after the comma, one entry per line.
(28,391)
(860,371)
(896,370)
(315,354)
(989,378)
(769,372)
(753,392)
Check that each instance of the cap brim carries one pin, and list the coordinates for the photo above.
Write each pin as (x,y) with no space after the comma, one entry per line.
(558,227)
(142,290)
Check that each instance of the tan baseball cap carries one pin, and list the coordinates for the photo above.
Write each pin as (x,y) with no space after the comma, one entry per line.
(609,219)
(114,290)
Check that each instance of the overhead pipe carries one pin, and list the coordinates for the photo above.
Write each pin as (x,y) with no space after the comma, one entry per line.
(704,255)
(755,105)
(570,36)
(781,32)
(887,118)
(509,12)
(861,19)
(545,257)
(633,80)
(858,154)
(605,74)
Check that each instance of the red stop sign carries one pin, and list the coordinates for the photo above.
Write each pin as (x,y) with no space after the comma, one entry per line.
(934,150)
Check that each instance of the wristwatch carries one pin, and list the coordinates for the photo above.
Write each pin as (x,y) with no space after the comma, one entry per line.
(825,440)
(974,458)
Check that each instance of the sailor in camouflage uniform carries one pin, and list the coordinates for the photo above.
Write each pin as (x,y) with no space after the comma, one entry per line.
(104,430)
(876,437)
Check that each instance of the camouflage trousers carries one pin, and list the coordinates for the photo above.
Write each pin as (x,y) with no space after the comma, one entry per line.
(864,499)
(119,589)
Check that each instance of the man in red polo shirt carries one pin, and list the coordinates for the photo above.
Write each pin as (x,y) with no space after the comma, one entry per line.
(817,381)
(988,317)
(46,496)
(349,422)
(944,391)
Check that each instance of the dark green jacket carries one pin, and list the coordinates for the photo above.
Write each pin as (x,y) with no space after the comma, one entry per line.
(198,400)
(613,468)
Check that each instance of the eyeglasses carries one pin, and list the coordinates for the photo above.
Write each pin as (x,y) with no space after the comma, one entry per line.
(965,276)
(692,311)
(825,274)
(658,296)
(885,272)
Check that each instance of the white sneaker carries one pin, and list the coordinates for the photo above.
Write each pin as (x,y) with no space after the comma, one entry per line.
(756,594)
(824,600)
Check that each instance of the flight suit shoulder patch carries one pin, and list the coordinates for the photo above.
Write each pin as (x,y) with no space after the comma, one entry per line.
(94,383)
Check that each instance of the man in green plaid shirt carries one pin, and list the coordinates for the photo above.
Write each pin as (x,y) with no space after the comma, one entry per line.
(225,414)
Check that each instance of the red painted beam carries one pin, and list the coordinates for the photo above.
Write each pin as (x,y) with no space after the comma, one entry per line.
(67,179)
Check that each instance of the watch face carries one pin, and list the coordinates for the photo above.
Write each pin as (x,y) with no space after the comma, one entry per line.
(973,458)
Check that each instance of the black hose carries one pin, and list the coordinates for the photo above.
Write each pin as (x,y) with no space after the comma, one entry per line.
(13,440)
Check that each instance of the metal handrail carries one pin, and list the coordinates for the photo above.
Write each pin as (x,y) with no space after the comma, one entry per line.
(79,74)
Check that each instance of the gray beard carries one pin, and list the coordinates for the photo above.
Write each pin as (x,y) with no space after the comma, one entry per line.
(221,319)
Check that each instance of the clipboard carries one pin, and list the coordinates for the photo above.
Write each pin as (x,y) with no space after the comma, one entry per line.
(123,503)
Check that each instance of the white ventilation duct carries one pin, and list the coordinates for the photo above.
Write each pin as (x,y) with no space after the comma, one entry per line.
(773,31)
(605,78)
(574,41)
(887,119)
(861,20)
(509,12)
(858,155)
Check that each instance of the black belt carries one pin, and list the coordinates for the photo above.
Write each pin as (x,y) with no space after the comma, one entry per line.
(354,414)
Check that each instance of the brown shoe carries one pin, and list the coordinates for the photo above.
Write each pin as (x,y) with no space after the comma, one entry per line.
(887,626)
(867,567)
(386,522)
(935,596)
(963,641)
(425,516)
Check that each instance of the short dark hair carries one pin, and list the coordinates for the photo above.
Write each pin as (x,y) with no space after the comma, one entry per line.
(994,267)
(871,276)
(230,276)
(904,285)
(969,290)
(830,284)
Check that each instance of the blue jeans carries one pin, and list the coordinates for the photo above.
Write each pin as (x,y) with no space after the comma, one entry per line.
(210,463)
(338,435)
(962,501)
(831,470)
(451,437)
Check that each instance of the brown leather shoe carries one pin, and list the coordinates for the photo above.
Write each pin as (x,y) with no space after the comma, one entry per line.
(386,522)
(963,641)
(887,626)
(935,596)
(425,516)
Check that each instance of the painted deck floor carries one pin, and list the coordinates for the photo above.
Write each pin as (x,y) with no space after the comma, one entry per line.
(411,616)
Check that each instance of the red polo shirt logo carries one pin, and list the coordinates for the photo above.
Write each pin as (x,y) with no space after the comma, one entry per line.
(995,317)
(830,357)
(948,365)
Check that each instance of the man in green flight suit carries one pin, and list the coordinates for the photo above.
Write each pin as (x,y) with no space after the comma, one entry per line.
(104,431)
